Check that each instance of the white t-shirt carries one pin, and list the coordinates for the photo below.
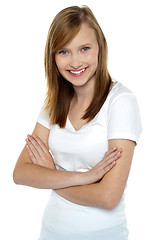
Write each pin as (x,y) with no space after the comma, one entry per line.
(80,150)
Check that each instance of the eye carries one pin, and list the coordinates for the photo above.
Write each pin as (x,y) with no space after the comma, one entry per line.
(63,52)
(85,49)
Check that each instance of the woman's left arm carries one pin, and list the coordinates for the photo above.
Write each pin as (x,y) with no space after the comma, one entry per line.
(108,192)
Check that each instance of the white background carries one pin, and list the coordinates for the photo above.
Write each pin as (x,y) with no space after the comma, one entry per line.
(132,33)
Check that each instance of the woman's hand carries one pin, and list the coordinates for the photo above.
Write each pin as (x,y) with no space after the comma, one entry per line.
(40,155)
(104,166)
(39,152)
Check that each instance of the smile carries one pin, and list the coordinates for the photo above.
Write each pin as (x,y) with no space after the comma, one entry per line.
(77,73)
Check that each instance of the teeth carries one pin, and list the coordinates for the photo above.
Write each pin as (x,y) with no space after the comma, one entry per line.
(78,71)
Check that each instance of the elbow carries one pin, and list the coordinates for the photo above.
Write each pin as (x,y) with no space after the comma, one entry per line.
(16,177)
(111,203)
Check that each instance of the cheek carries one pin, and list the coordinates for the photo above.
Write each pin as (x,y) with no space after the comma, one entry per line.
(57,61)
(60,62)
(94,58)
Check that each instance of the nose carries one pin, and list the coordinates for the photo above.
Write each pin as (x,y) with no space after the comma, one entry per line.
(75,61)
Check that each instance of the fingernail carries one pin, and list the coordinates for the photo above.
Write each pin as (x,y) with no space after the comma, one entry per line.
(114,148)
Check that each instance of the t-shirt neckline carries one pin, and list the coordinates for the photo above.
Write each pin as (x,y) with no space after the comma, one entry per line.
(86,124)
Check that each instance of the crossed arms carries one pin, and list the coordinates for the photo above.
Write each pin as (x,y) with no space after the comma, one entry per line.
(35,167)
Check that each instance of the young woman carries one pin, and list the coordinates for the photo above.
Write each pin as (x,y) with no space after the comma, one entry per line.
(84,139)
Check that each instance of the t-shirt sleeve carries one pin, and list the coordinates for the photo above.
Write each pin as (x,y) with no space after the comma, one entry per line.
(43,118)
(124,120)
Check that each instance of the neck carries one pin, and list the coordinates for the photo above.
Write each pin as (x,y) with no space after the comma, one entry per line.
(84,94)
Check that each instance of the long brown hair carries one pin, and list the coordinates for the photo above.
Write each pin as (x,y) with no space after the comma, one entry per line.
(63,29)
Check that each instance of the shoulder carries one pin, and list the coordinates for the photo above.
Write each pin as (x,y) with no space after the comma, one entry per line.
(122,100)
(43,118)
(119,91)
(121,97)
(122,114)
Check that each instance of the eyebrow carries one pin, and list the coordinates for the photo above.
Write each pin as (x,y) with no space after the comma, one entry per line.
(81,46)
(86,44)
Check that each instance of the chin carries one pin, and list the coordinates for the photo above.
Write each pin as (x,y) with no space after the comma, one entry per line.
(80,82)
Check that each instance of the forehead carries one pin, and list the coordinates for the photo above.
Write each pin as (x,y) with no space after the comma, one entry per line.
(86,35)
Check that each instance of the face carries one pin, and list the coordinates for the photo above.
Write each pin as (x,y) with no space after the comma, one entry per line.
(77,61)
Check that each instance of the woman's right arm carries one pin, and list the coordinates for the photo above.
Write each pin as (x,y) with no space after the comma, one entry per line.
(45,177)
(35,165)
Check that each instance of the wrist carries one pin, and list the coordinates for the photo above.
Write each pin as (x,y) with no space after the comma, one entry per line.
(80,178)
(86,178)
(69,178)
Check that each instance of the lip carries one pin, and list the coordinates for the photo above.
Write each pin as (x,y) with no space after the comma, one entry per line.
(77,70)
